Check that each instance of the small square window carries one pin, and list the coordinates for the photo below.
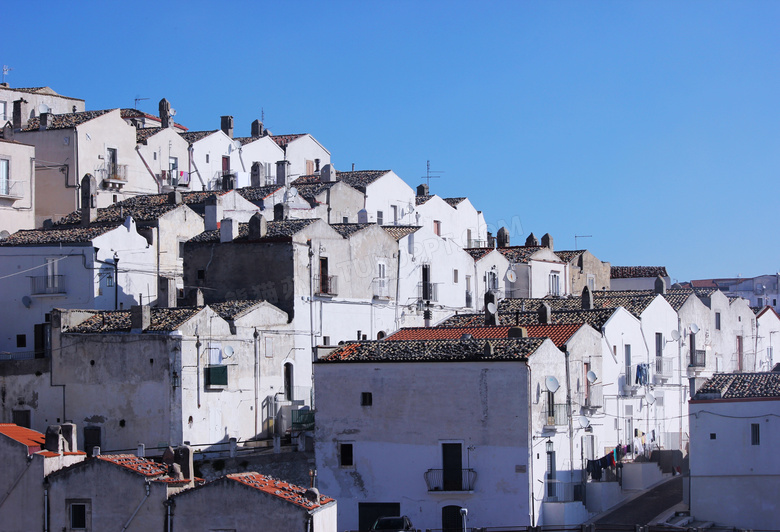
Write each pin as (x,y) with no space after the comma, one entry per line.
(21,340)
(346,458)
(712,435)
(366,399)
(345,219)
(755,434)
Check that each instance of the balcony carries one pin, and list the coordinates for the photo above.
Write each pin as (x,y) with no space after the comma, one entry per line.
(381,288)
(12,189)
(325,285)
(47,284)
(302,420)
(174,178)
(215,377)
(558,491)
(428,291)
(476,243)
(113,176)
(593,397)
(556,417)
(664,367)
(450,480)
(698,358)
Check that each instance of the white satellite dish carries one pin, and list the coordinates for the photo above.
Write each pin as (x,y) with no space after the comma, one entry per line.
(43,108)
(675,335)
(694,328)
(650,398)
(584,422)
(293,192)
(491,307)
(551,383)
(237,144)
(591,376)
(228,351)
(511,276)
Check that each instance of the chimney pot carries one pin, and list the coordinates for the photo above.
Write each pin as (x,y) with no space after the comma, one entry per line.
(280,212)
(587,298)
(545,314)
(532,240)
(327,174)
(18,113)
(54,441)
(165,113)
(174,198)
(660,285)
(183,457)
(257,129)
(43,121)
(503,237)
(70,436)
(282,171)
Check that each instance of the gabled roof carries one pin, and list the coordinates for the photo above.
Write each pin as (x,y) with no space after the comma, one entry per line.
(761,311)
(33,439)
(740,386)
(347,230)
(360,178)
(48,91)
(434,350)
(568,256)
(520,254)
(258,193)
(231,310)
(275,230)
(595,318)
(143,208)
(311,190)
(64,121)
(284,140)
(634,272)
(195,136)
(141,466)
(135,113)
(248,140)
(454,202)
(422,198)
(478,253)
(54,236)
(142,134)
(278,488)
(162,320)
(400,231)
(559,334)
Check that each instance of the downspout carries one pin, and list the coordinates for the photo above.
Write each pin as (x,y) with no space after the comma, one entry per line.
(151,172)
(311,301)
(197,366)
(397,286)
(530,446)
(192,162)
(568,408)
(45,510)
(257,375)
(146,485)
(169,515)
(76,164)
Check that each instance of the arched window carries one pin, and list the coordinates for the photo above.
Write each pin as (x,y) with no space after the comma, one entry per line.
(380,335)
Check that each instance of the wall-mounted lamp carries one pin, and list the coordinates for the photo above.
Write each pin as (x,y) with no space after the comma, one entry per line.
(175,381)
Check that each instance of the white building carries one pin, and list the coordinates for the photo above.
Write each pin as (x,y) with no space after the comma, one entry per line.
(637,277)
(735,475)
(303,153)
(17,187)
(37,100)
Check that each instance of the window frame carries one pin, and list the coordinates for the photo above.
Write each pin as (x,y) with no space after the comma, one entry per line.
(343,446)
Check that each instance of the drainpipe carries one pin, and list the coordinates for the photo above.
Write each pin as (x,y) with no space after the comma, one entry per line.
(311,301)
(169,504)
(45,510)
(568,408)
(146,485)
(397,286)
(151,172)
(257,375)
(530,442)
(197,366)
(116,281)
(192,162)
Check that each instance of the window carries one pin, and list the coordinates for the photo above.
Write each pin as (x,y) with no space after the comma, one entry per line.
(21,418)
(395,214)
(366,399)
(591,281)
(173,163)
(659,345)
(717,321)
(78,515)
(452,466)
(437,227)
(5,184)
(112,159)
(201,274)
(288,382)
(739,353)
(713,435)
(760,302)
(207,157)
(346,459)
(269,347)
(326,340)
(21,340)
(3,111)
(492,281)
(627,355)
(309,167)
(380,218)
(755,435)
(345,220)
(92,439)
(555,283)
(455,276)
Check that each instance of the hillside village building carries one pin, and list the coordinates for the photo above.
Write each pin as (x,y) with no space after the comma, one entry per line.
(35,101)
(17,187)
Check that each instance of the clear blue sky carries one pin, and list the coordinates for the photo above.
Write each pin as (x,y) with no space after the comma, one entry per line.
(652,126)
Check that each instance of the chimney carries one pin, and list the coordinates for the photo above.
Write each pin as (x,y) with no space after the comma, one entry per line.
(166,292)
(196,298)
(140,317)
(48,223)
(491,308)
(165,113)
(8,131)
(88,199)
(503,237)
(54,441)
(328,174)
(531,240)
(312,495)
(43,121)
(362,216)
(280,212)
(422,190)
(257,129)
(227,125)
(257,227)
(174,198)
(257,175)
(488,350)
(547,241)
(18,113)
(316,165)
(660,285)
(491,240)
(95,451)
(545,314)
(282,169)
(587,298)
(228,230)
(518,332)
(70,435)
(213,212)
(183,457)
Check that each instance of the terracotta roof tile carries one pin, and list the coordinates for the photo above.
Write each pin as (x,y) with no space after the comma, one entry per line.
(478,253)
(276,230)
(347,230)
(162,319)
(400,231)
(33,439)
(740,386)
(195,136)
(568,256)
(559,334)
(284,140)
(142,466)
(454,202)
(258,193)
(421,199)
(230,310)
(519,254)
(279,488)
(632,272)
(49,237)
(595,318)
(64,121)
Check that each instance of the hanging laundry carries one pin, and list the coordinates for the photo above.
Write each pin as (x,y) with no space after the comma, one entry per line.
(642,374)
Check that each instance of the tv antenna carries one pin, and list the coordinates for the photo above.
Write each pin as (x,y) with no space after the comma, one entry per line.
(6,70)
(139,100)
(262,115)
(429,174)
(580,236)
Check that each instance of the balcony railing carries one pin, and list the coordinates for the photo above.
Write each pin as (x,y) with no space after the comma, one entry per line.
(47,284)
(476,243)
(698,358)
(428,291)
(381,288)
(664,366)
(555,417)
(113,173)
(593,397)
(450,480)
(175,178)
(302,420)
(325,285)
(11,189)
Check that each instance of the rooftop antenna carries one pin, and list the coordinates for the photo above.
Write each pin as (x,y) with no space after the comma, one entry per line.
(262,115)
(6,70)
(580,236)
(139,100)
(429,174)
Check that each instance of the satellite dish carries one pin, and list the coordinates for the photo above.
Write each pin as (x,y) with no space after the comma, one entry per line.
(26,301)
(43,108)
(228,351)
(551,383)
(650,398)
(491,307)
(237,144)
(584,422)
(591,376)
(293,192)
(675,335)
(694,328)
(511,276)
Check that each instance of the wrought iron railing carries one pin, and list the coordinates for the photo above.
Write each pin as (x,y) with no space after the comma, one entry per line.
(556,416)
(12,189)
(450,480)
(698,358)
(664,366)
(593,397)
(326,285)
(428,291)
(113,172)
(381,287)
(47,284)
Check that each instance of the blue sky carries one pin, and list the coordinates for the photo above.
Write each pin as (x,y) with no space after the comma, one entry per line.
(652,126)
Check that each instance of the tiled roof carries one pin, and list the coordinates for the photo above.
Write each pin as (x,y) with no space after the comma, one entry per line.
(360,178)
(64,121)
(740,386)
(595,318)
(347,230)
(400,231)
(142,466)
(567,256)
(676,297)
(704,283)
(230,310)
(284,140)
(33,439)
(306,179)
(419,200)
(246,140)
(142,134)
(195,136)
(519,254)
(478,253)
(258,193)
(454,202)
(311,190)
(275,230)
(632,272)
(284,490)
(162,319)
(559,334)
(527,304)
(48,237)
(434,350)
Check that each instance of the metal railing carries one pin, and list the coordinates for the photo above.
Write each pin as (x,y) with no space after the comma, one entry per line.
(664,366)
(698,358)
(47,284)
(12,189)
(594,397)
(302,420)
(326,285)
(558,491)
(557,416)
(112,172)
(437,480)
(476,243)
(381,287)
(175,178)
(428,291)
